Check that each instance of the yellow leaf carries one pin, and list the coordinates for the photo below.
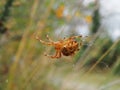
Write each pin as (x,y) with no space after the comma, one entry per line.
(59,11)
(88,19)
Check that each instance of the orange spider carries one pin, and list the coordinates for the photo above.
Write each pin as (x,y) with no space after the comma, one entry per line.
(66,46)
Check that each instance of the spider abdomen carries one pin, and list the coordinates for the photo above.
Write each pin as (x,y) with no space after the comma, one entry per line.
(69,50)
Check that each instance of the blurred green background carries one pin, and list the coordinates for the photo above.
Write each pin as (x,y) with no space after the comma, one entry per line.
(23,66)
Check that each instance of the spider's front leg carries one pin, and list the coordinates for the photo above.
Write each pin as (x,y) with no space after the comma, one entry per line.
(43,42)
(49,38)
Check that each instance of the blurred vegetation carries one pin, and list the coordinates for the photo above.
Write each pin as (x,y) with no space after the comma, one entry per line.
(23,65)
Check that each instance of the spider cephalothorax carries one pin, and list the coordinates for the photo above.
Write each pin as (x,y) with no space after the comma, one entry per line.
(66,46)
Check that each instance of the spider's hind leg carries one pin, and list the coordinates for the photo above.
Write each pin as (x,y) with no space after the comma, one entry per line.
(77,36)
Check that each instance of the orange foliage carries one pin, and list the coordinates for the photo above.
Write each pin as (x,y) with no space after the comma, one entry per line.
(88,19)
(59,11)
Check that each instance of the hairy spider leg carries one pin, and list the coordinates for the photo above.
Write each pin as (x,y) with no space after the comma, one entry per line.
(49,38)
(74,42)
(57,55)
(73,37)
(43,42)
(79,46)
(80,43)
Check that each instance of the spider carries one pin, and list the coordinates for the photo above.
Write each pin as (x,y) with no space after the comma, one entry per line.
(66,46)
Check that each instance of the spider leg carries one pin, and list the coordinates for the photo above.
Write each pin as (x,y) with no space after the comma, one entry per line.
(50,56)
(57,55)
(73,37)
(47,43)
(49,38)
(80,43)
(79,46)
